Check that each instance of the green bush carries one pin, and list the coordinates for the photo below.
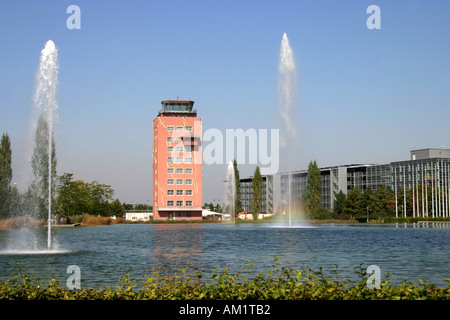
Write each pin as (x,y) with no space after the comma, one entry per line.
(279,283)
(322,214)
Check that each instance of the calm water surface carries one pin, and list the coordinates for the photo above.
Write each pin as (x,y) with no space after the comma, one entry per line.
(104,253)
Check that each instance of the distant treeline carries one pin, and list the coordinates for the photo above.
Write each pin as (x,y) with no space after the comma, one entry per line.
(70,197)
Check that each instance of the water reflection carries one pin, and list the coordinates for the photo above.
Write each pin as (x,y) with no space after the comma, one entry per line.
(174,246)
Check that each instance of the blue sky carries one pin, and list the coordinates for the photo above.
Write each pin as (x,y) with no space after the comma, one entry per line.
(366,96)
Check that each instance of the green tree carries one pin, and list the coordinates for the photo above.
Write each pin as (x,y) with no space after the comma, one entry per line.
(142,206)
(67,201)
(385,198)
(77,197)
(117,208)
(127,206)
(353,203)
(257,193)
(73,196)
(339,202)
(39,189)
(368,201)
(311,198)
(209,206)
(237,195)
(100,195)
(5,177)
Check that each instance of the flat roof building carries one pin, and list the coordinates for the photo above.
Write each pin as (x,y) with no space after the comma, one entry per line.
(177,162)
(430,153)
(427,167)
(138,216)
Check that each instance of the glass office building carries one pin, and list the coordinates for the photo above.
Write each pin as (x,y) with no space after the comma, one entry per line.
(427,168)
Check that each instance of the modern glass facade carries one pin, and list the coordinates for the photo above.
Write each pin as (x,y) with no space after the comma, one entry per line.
(429,181)
(427,169)
(377,175)
(326,199)
(246,195)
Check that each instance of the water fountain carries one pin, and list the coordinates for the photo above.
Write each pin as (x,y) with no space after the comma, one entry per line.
(287,101)
(29,240)
(45,100)
(287,91)
(286,96)
(230,192)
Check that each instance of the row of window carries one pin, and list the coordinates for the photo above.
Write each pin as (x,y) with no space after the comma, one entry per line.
(179,181)
(180,214)
(140,218)
(179,128)
(179,192)
(179,170)
(178,139)
(179,203)
(179,160)
(173,139)
(179,149)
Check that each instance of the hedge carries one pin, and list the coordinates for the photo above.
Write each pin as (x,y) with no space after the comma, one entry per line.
(279,283)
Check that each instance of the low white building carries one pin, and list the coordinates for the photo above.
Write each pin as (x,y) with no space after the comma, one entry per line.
(208,214)
(138,216)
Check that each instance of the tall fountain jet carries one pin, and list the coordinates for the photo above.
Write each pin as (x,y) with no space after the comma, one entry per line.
(45,101)
(230,191)
(287,95)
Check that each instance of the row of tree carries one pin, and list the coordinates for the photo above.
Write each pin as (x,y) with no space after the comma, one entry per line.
(77,197)
(213,207)
(257,193)
(137,207)
(68,196)
(311,199)
(380,202)
(73,197)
